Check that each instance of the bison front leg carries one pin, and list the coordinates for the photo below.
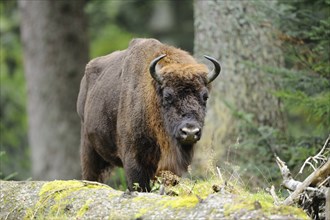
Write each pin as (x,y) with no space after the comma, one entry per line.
(138,175)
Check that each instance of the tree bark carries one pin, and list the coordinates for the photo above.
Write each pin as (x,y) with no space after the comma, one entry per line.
(238,34)
(88,200)
(55,43)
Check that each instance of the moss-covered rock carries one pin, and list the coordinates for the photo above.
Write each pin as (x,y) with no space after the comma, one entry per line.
(261,204)
(88,200)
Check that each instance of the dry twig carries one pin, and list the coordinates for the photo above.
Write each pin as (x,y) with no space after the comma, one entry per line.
(220,175)
(273,194)
(319,156)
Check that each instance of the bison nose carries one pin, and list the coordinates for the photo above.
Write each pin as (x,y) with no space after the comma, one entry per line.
(190,135)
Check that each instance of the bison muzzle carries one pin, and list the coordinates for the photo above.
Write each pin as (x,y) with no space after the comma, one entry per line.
(143,109)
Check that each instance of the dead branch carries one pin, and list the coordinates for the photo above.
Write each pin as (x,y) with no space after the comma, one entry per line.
(313,193)
(288,182)
(319,174)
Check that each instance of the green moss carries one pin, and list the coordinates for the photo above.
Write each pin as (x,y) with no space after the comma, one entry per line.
(189,190)
(115,215)
(189,193)
(144,210)
(139,199)
(114,194)
(141,212)
(181,202)
(248,201)
(81,212)
(299,213)
(54,199)
(202,188)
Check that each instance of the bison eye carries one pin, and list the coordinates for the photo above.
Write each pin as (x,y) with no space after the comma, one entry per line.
(168,97)
(204,96)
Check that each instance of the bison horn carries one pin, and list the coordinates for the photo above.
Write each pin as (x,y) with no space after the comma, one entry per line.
(215,72)
(152,69)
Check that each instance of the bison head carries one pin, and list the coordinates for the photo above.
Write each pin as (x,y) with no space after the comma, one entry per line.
(183,92)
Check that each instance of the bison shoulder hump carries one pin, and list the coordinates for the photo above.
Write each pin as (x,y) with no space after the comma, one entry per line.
(137,42)
(96,66)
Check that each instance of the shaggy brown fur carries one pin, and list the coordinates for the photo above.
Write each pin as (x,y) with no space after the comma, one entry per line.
(127,118)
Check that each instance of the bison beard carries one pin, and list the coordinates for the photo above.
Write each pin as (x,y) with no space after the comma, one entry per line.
(143,109)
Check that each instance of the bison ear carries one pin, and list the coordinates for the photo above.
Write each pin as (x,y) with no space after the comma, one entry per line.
(152,69)
(215,72)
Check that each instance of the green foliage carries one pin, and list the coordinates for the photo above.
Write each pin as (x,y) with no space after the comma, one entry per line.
(105,34)
(306,97)
(105,37)
(10,176)
(252,157)
(304,28)
(101,45)
(306,43)
(13,121)
(316,108)
(158,19)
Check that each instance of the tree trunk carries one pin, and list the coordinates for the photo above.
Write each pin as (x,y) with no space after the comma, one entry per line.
(232,32)
(54,37)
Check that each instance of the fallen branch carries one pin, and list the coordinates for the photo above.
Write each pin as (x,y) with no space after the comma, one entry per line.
(319,174)
(313,193)
(288,182)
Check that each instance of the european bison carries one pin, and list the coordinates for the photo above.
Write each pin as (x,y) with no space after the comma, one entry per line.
(143,109)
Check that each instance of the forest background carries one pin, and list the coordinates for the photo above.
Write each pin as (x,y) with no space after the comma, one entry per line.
(299,29)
